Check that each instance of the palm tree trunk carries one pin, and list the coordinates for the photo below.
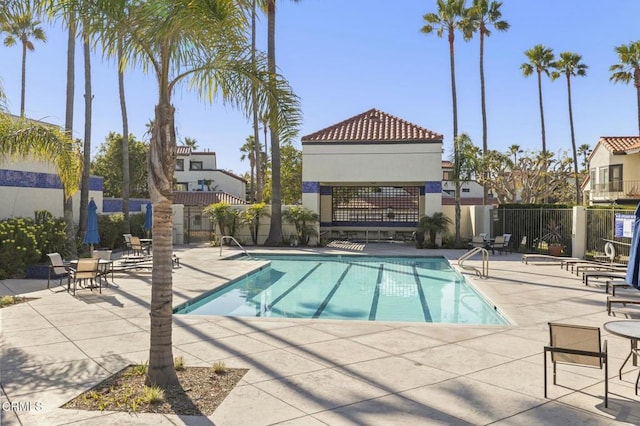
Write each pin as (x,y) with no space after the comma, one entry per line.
(162,154)
(256,191)
(275,232)
(453,84)
(636,82)
(70,243)
(88,98)
(24,78)
(573,141)
(126,179)
(544,140)
(485,145)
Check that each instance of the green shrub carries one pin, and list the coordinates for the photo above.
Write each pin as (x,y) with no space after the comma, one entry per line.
(25,241)
(111,228)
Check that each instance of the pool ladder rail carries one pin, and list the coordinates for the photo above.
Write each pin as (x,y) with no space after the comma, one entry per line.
(485,261)
(229,237)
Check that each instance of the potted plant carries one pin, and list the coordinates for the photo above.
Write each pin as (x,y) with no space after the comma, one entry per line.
(553,238)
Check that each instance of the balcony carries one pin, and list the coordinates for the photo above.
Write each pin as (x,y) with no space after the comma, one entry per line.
(615,191)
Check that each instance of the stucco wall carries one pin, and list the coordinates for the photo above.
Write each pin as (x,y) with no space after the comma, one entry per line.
(372,163)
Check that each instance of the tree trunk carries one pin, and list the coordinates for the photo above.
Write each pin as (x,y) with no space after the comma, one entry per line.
(454,97)
(70,242)
(483,101)
(544,140)
(126,179)
(24,78)
(88,98)
(256,191)
(636,80)
(573,141)
(275,232)
(162,154)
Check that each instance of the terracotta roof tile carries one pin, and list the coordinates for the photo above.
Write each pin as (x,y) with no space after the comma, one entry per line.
(620,144)
(204,198)
(373,126)
(183,150)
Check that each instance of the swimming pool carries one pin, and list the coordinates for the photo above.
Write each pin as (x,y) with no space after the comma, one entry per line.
(414,289)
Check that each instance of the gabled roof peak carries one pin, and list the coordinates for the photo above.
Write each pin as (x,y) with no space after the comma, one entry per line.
(373,126)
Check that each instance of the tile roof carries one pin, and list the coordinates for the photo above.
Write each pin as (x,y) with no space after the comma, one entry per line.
(373,126)
(183,150)
(620,144)
(204,198)
(447,164)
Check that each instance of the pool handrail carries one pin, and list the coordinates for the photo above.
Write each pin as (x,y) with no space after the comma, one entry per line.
(485,261)
(225,237)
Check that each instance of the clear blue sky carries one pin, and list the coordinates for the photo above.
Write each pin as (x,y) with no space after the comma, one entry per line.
(345,57)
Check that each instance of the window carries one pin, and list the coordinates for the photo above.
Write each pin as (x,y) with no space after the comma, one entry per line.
(195,165)
(603,175)
(181,186)
(466,190)
(375,204)
(615,178)
(592,178)
(447,175)
(180,164)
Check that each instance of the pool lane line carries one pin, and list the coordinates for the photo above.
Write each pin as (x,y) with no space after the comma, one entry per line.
(423,300)
(290,289)
(325,302)
(376,295)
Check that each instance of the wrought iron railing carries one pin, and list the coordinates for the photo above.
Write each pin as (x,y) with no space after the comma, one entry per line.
(628,189)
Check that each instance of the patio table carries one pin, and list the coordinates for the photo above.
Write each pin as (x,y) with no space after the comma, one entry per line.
(629,329)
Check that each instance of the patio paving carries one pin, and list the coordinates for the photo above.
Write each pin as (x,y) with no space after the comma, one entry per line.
(317,372)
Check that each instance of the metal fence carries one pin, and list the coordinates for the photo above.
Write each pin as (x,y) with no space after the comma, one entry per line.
(601,228)
(532,224)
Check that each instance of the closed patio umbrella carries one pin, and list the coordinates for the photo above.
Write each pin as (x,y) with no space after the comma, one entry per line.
(633,268)
(92,236)
(148,219)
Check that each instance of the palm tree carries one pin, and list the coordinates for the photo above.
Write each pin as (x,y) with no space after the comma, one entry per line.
(275,231)
(569,64)
(628,69)
(21,26)
(88,98)
(23,137)
(515,150)
(584,150)
(200,43)
(190,142)
(249,150)
(540,61)
(257,190)
(482,15)
(450,17)
(466,163)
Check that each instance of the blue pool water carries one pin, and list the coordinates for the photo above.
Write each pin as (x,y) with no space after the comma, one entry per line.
(415,289)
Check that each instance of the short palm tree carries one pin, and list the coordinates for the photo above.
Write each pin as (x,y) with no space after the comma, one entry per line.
(190,142)
(434,224)
(21,26)
(483,15)
(569,64)
(541,60)
(628,69)
(248,153)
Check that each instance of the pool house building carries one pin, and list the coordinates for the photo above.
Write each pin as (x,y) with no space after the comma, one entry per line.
(372,176)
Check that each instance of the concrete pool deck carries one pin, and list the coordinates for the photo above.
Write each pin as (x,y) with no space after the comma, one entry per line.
(316,372)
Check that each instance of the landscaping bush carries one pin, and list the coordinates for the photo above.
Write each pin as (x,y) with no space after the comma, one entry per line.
(111,228)
(25,241)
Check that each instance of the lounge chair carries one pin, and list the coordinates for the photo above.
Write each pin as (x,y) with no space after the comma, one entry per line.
(577,345)
(622,300)
(603,274)
(547,258)
(615,284)
(57,267)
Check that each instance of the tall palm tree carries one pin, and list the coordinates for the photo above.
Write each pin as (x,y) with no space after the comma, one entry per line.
(88,99)
(515,150)
(540,61)
(483,15)
(22,26)
(200,43)
(275,231)
(257,190)
(569,64)
(466,163)
(450,17)
(628,69)
(249,151)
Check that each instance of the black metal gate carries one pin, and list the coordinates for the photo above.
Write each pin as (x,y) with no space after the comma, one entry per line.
(197,227)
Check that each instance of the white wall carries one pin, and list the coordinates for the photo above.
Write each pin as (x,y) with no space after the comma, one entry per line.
(372,162)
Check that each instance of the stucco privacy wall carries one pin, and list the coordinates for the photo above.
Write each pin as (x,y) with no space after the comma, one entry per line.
(27,186)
